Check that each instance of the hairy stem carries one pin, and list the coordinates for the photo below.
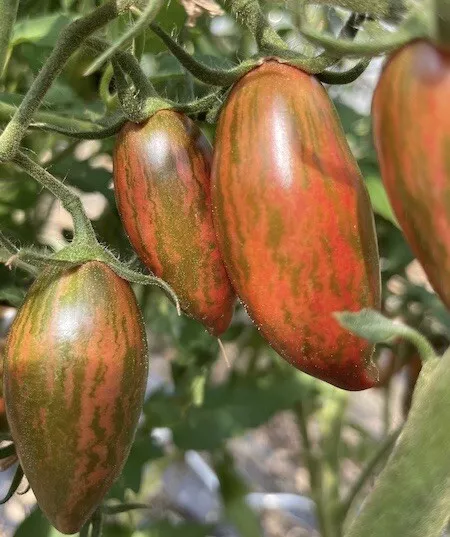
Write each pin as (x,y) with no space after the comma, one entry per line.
(71,202)
(7,245)
(344,77)
(146,17)
(69,40)
(249,12)
(129,65)
(8,13)
(208,75)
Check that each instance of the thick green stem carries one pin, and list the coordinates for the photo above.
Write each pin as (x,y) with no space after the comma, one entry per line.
(442,22)
(367,472)
(147,16)
(344,77)
(8,13)
(129,65)
(208,75)
(7,111)
(83,230)
(249,12)
(320,63)
(339,48)
(69,40)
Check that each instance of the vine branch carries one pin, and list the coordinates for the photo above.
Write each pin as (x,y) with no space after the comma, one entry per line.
(146,17)
(71,202)
(69,40)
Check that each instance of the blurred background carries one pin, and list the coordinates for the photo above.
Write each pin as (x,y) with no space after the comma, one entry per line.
(221,449)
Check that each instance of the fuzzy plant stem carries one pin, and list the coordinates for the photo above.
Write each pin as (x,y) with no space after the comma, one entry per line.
(8,13)
(144,20)
(7,245)
(69,40)
(83,230)
(249,12)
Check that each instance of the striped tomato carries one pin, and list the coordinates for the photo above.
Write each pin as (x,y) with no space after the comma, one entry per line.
(3,421)
(411,126)
(162,186)
(294,222)
(75,376)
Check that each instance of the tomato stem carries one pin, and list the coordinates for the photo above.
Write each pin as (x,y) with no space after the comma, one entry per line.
(8,13)
(7,245)
(208,75)
(69,40)
(344,77)
(249,12)
(339,48)
(83,230)
(145,18)
(69,126)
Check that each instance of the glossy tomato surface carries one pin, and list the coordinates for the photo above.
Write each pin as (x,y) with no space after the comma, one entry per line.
(75,376)
(294,222)
(411,126)
(162,185)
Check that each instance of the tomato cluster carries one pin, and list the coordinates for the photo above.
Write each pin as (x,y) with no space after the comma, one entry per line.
(276,214)
(285,195)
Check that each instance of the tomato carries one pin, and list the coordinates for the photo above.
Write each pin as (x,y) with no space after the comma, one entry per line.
(75,376)
(294,222)
(3,421)
(162,187)
(411,126)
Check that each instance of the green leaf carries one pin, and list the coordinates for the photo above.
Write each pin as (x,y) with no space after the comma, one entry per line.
(380,200)
(411,496)
(377,328)
(40,30)
(13,295)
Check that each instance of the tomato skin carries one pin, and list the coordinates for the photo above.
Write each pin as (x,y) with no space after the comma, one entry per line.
(411,127)
(75,375)
(4,428)
(294,222)
(162,187)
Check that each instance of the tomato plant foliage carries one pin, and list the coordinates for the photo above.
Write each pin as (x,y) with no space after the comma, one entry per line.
(197,404)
